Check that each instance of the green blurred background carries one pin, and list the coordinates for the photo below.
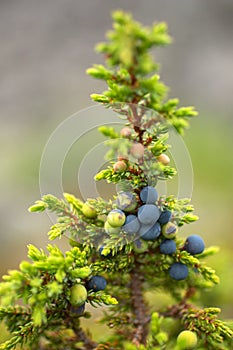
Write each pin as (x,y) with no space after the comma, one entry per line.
(45,48)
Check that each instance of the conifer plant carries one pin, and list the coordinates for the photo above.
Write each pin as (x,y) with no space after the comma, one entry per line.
(126,250)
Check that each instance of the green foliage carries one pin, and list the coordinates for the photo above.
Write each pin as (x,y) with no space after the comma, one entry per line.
(43,303)
(129,71)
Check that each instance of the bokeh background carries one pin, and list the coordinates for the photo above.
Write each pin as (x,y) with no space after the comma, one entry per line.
(45,48)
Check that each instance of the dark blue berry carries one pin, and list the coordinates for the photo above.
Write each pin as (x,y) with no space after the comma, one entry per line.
(96,283)
(150,232)
(149,195)
(78,310)
(148,214)
(165,217)
(131,225)
(168,247)
(194,244)
(178,271)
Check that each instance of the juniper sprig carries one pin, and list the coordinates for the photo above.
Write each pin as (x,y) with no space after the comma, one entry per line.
(125,251)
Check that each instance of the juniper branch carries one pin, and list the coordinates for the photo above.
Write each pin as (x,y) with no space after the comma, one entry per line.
(139,306)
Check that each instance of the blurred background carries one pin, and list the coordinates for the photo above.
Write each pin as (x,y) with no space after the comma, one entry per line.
(45,48)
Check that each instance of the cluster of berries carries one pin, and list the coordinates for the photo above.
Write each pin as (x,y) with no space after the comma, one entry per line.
(148,222)
(78,293)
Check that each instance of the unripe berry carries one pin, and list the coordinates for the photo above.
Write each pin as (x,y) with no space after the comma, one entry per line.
(169,230)
(116,218)
(163,158)
(187,340)
(119,166)
(78,295)
(137,150)
(126,201)
(110,229)
(121,157)
(89,211)
(125,132)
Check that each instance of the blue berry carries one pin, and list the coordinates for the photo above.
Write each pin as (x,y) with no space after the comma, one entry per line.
(148,214)
(194,244)
(96,283)
(168,247)
(79,310)
(138,243)
(150,233)
(165,217)
(126,201)
(178,271)
(149,195)
(131,225)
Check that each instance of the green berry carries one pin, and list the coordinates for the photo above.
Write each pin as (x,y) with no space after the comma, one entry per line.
(110,229)
(126,201)
(169,230)
(116,218)
(78,295)
(187,340)
(89,211)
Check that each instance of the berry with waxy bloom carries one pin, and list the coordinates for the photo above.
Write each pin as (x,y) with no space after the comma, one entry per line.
(178,271)
(194,244)
(149,195)
(96,283)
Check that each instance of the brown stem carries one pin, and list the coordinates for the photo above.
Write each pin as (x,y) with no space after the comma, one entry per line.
(82,336)
(177,310)
(139,307)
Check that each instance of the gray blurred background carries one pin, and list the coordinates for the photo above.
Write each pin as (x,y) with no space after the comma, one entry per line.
(45,48)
